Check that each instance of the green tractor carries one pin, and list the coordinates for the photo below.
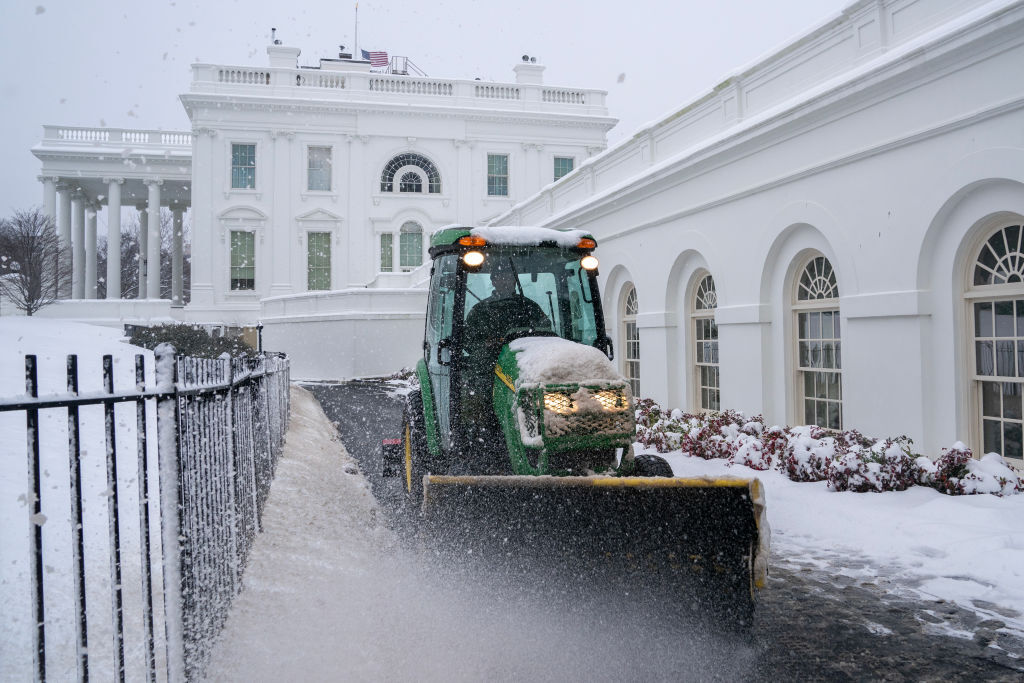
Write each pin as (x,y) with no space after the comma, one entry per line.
(522,427)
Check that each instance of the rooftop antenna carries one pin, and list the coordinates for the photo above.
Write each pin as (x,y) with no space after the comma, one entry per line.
(273,37)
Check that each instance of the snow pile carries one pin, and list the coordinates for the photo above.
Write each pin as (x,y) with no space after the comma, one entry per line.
(848,461)
(519,235)
(553,360)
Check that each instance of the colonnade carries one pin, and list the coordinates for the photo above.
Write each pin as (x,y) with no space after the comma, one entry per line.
(74,213)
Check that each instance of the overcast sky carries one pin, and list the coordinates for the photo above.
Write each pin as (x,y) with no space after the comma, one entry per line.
(123,64)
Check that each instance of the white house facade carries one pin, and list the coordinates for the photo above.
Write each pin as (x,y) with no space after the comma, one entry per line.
(832,236)
(312,192)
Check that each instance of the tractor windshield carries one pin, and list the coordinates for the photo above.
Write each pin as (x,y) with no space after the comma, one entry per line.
(551,278)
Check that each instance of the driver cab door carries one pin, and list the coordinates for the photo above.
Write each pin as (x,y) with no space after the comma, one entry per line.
(438,345)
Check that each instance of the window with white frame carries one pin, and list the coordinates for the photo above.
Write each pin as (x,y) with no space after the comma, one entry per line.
(433,176)
(631,341)
(318,173)
(819,352)
(497,175)
(410,182)
(705,344)
(410,246)
(243,260)
(243,166)
(318,260)
(387,252)
(563,166)
(996,298)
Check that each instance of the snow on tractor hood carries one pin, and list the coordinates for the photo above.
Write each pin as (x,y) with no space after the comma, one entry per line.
(519,235)
(553,360)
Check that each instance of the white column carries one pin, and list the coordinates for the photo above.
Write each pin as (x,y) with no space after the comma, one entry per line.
(153,247)
(143,254)
(177,258)
(77,245)
(64,234)
(113,237)
(89,290)
(49,196)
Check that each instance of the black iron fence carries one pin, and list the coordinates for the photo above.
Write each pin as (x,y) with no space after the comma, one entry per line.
(219,427)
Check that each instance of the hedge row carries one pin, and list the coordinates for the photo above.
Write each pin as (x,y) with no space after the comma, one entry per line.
(848,461)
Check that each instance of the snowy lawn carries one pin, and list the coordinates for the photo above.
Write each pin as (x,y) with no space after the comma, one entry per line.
(964,549)
(52,341)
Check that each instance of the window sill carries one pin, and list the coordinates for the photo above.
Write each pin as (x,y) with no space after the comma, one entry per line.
(243,192)
(317,194)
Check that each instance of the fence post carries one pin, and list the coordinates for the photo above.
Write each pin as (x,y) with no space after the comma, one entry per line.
(144,545)
(168,455)
(113,519)
(35,522)
(77,541)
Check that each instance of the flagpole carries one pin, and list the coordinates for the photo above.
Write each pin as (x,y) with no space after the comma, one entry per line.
(355,53)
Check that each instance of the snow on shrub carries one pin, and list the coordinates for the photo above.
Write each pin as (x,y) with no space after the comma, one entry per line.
(887,465)
(848,461)
(956,472)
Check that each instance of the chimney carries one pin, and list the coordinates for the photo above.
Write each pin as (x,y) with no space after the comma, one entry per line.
(282,57)
(529,71)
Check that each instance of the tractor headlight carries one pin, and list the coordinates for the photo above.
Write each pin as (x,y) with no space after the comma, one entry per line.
(558,402)
(473,258)
(589,262)
(612,399)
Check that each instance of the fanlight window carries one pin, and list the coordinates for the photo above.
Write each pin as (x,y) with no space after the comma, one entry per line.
(411,182)
(818,281)
(387,178)
(1001,260)
(998,339)
(819,346)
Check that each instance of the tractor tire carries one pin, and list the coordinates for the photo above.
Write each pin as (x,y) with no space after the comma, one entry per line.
(414,449)
(647,465)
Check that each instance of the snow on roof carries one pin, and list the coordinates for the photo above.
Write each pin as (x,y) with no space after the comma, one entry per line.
(553,360)
(529,236)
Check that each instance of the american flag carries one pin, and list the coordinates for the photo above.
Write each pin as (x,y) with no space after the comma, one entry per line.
(376,57)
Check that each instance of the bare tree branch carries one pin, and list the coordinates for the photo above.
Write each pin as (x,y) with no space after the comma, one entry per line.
(33,262)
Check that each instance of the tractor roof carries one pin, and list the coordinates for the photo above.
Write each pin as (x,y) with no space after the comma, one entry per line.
(517,235)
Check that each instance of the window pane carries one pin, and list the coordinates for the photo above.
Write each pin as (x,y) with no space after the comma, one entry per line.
(814,328)
(828,359)
(1005,353)
(826,325)
(834,417)
(319,261)
(410,249)
(563,165)
(983,359)
(243,271)
(821,414)
(983,319)
(990,400)
(319,169)
(1004,318)
(808,412)
(386,251)
(243,166)
(497,175)
(992,436)
(1011,440)
(1011,400)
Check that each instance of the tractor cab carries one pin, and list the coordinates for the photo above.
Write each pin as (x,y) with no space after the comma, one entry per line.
(489,287)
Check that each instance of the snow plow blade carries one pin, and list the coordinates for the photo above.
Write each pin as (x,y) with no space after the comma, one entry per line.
(713,530)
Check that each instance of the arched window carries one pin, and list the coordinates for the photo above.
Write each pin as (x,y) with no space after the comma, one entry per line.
(410,246)
(705,343)
(410,182)
(996,299)
(631,341)
(819,352)
(387,177)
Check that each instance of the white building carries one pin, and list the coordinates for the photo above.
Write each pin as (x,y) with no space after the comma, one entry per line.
(825,236)
(312,191)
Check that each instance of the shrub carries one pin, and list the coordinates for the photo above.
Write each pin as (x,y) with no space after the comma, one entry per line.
(888,465)
(189,340)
